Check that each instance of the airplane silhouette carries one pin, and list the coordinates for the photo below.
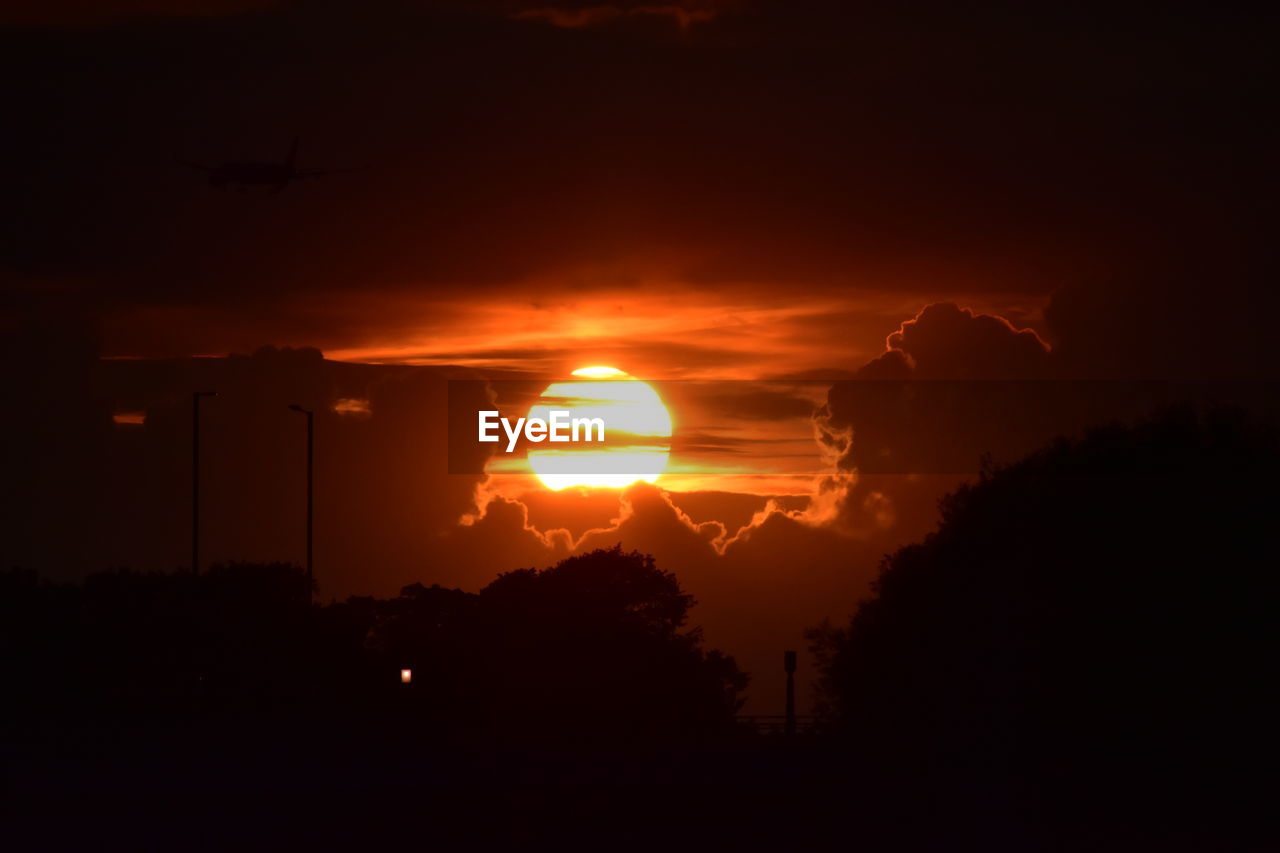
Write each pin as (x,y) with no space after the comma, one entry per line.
(246,175)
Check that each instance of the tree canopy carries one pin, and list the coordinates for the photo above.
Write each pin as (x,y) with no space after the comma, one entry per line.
(594,648)
(1092,623)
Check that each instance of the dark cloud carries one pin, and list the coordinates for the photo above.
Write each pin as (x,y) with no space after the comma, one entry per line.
(945,341)
(954,386)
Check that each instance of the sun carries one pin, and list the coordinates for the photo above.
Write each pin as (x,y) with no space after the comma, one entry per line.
(637,441)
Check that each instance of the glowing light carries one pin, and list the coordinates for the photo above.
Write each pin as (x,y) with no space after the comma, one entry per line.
(599,372)
(129,418)
(637,433)
(406,676)
(352,406)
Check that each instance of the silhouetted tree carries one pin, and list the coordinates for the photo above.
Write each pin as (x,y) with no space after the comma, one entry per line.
(1094,623)
(594,647)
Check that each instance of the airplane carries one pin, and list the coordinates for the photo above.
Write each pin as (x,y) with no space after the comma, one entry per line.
(248,175)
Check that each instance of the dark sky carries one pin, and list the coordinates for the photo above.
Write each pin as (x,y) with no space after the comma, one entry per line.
(926,151)
(707,191)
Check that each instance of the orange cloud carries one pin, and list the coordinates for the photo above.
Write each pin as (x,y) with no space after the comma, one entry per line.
(654,326)
(353,406)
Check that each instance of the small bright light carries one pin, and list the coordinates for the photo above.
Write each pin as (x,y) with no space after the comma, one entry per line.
(600,372)
(406,676)
(354,406)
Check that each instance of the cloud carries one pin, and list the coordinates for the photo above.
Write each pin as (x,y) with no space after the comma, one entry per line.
(951,385)
(945,341)
(648,515)
(955,385)
(352,407)
(498,534)
(758,587)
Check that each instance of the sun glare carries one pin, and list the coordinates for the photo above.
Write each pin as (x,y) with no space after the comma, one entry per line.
(599,372)
(637,445)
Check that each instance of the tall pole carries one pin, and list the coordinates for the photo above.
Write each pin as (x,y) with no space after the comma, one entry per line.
(310,494)
(195,477)
(310,488)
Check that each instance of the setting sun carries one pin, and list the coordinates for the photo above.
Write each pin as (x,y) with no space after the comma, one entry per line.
(638,443)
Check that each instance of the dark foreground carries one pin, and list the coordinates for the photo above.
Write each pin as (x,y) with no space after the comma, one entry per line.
(223,783)
(1077,659)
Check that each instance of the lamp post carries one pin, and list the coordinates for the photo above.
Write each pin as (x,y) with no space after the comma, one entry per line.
(195,477)
(310,457)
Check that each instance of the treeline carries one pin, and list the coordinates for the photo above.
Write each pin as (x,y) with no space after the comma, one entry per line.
(595,648)
(1090,633)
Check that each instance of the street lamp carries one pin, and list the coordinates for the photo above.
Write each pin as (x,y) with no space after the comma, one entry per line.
(195,477)
(310,448)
